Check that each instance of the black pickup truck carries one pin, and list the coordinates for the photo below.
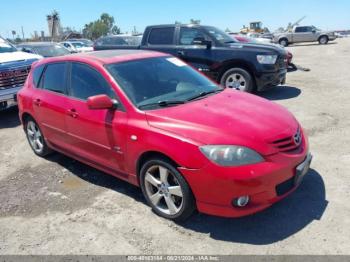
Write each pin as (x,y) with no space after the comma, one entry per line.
(244,66)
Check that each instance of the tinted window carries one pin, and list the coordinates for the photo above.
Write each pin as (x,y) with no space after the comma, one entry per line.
(37,74)
(300,29)
(86,82)
(149,81)
(161,36)
(54,78)
(187,35)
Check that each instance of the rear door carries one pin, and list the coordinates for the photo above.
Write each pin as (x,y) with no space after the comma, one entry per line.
(161,39)
(50,103)
(98,136)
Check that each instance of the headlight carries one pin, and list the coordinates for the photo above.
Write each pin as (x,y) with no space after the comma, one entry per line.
(267,59)
(231,155)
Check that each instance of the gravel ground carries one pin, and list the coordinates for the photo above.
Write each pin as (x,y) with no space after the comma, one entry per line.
(60,206)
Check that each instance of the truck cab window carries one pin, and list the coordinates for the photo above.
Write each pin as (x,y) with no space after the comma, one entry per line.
(162,36)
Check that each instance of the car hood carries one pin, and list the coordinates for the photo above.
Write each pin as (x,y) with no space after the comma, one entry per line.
(265,47)
(228,118)
(17,56)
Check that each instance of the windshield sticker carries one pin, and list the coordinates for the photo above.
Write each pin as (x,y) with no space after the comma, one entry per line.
(176,61)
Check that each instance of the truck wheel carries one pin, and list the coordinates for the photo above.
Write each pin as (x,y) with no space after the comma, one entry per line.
(283,42)
(238,79)
(166,191)
(323,40)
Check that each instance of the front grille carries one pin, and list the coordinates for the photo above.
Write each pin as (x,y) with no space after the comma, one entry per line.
(289,143)
(14,77)
(285,187)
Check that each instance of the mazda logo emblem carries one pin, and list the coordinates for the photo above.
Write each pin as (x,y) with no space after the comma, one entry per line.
(297,138)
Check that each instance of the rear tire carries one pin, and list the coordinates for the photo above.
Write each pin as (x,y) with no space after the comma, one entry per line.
(323,40)
(36,138)
(166,191)
(239,79)
(283,42)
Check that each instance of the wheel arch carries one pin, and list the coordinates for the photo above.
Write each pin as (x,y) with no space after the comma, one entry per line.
(25,116)
(238,64)
(145,156)
(324,35)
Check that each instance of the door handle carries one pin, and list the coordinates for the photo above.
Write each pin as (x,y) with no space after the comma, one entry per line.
(181,53)
(37,102)
(73,113)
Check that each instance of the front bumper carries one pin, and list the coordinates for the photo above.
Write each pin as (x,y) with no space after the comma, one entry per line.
(268,80)
(215,187)
(8,97)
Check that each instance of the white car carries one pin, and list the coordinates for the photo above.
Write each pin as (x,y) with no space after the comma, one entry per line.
(258,38)
(77,47)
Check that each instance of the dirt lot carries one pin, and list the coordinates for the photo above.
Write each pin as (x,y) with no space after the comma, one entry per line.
(59,206)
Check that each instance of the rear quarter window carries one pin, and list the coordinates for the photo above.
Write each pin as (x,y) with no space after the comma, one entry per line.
(37,72)
(161,36)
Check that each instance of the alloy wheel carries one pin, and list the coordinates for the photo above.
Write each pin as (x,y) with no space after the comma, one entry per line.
(35,137)
(163,190)
(236,81)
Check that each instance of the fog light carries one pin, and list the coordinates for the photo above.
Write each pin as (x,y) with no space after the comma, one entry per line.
(241,201)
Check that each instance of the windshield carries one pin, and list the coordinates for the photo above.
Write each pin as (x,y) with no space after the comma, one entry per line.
(149,83)
(219,35)
(6,47)
(51,50)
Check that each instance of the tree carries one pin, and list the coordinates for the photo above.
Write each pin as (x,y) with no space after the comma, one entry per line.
(103,26)
(195,21)
(53,20)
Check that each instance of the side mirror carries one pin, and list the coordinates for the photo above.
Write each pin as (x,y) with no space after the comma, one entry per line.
(26,50)
(202,41)
(314,30)
(101,102)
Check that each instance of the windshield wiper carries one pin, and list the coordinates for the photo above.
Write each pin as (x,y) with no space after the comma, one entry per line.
(205,93)
(163,103)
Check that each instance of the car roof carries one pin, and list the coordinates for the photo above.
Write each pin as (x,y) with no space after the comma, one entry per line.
(37,44)
(107,56)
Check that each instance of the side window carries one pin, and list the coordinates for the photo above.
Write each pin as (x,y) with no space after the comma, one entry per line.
(308,29)
(54,78)
(86,82)
(187,35)
(300,29)
(162,36)
(37,75)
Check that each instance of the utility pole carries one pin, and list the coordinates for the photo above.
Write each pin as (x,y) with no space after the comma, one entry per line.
(22,33)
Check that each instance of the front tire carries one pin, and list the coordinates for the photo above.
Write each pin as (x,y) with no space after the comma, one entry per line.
(283,42)
(166,191)
(36,138)
(239,79)
(323,40)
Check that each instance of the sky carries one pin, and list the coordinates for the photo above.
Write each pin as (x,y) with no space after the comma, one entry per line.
(232,14)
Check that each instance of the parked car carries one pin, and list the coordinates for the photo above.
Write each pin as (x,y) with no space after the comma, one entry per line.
(259,38)
(45,49)
(302,34)
(77,47)
(244,39)
(246,67)
(14,68)
(117,42)
(152,120)
(85,41)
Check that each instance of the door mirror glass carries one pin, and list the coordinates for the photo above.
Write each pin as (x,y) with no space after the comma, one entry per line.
(101,102)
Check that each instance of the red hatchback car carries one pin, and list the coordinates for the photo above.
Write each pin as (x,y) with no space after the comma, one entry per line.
(154,121)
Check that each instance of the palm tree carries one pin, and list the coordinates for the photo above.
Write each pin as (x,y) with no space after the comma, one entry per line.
(53,20)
